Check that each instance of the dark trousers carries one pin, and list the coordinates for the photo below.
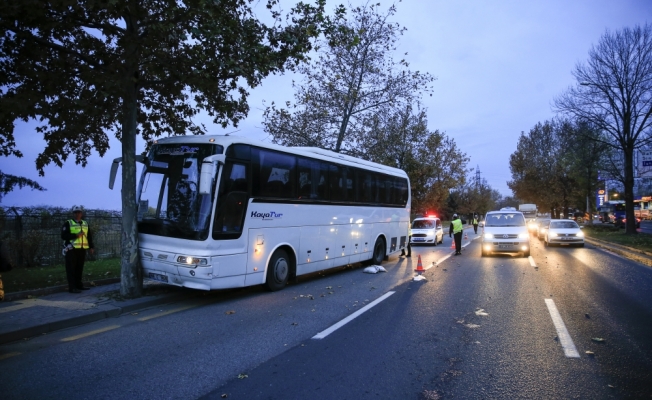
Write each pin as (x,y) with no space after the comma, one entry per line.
(409,247)
(458,242)
(475,228)
(74,267)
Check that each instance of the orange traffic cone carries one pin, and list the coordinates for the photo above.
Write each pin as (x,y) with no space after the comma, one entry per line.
(466,237)
(420,270)
(453,244)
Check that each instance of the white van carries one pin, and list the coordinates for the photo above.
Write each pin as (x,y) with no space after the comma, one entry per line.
(505,231)
(427,230)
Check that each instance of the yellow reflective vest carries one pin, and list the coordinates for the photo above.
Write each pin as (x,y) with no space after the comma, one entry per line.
(457,226)
(75,228)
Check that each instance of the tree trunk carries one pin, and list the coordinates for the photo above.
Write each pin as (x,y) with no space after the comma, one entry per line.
(131,277)
(630,225)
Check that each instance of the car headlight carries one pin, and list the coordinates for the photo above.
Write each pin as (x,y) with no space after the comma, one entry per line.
(523,235)
(580,234)
(488,236)
(189,260)
(552,234)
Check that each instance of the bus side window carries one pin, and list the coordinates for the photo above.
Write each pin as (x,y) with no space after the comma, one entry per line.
(274,175)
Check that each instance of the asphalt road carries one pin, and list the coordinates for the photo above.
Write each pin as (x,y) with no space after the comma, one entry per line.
(425,340)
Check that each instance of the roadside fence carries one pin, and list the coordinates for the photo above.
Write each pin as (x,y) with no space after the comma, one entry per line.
(34,238)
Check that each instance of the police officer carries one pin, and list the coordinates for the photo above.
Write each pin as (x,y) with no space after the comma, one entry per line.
(456,229)
(77,239)
(475,223)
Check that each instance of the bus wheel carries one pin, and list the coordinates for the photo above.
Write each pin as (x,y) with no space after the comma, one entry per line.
(379,252)
(278,271)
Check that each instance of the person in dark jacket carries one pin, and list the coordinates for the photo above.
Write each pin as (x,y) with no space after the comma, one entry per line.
(456,230)
(77,239)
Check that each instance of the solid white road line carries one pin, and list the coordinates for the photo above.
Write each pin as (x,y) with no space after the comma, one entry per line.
(532,263)
(351,317)
(564,337)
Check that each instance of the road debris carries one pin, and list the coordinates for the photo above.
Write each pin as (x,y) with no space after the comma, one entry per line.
(597,339)
(481,312)
(374,269)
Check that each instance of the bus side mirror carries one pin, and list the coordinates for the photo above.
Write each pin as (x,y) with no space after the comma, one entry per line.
(116,163)
(208,172)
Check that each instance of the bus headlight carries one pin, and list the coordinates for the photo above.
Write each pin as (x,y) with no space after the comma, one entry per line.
(189,260)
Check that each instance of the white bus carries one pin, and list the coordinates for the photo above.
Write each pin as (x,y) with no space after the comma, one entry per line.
(219,212)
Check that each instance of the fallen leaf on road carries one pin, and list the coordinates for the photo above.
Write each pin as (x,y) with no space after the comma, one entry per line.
(229,312)
(597,339)
(224,396)
(295,323)
(242,376)
(472,326)
(589,353)
(481,312)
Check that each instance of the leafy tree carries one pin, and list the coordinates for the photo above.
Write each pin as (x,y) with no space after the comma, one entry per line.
(533,166)
(614,93)
(9,182)
(87,69)
(586,150)
(353,78)
(543,170)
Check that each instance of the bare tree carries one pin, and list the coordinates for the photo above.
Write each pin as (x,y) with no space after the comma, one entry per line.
(353,77)
(614,93)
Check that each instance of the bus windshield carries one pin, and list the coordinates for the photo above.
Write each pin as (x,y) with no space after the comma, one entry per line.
(169,203)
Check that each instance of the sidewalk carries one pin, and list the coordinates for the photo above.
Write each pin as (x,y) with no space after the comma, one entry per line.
(25,318)
(48,312)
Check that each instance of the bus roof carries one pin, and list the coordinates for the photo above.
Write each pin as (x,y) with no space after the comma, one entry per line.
(314,152)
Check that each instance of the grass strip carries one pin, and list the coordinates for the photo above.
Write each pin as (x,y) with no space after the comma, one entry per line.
(641,241)
(25,278)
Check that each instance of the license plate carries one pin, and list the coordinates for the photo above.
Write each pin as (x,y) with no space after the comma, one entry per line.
(504,246)
(158,277)
(418,239)
(567,238)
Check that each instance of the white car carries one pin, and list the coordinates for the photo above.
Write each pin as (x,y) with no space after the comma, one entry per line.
(505,231)
(427,230)
(564,232)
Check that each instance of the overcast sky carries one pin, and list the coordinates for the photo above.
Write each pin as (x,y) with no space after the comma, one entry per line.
(499,64)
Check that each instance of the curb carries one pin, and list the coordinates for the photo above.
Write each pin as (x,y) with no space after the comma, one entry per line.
(25,294)
(630,253)
(103,312)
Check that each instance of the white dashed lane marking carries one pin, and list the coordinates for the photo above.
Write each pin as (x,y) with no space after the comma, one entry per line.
(562,333)
(351,317)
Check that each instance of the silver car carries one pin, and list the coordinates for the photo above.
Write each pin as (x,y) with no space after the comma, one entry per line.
(564,232)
